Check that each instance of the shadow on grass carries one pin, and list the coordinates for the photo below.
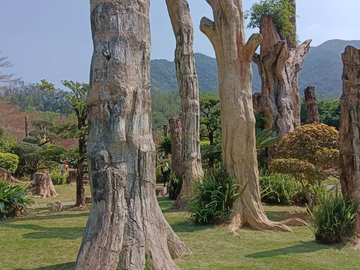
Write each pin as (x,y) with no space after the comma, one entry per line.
(304,247)
(48,232)
(63,266)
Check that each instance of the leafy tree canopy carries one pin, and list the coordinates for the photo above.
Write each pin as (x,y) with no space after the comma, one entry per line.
(281,11)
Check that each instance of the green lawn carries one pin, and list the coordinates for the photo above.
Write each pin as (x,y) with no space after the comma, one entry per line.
(67,193)
(50,241)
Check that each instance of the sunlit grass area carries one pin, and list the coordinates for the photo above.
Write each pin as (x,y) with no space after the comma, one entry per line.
(50,241)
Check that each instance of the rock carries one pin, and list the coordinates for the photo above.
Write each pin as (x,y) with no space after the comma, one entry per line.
(88,199)
(56,206)
(42,185)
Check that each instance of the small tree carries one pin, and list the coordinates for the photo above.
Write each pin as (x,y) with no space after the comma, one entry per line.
(310,154)
(76,102)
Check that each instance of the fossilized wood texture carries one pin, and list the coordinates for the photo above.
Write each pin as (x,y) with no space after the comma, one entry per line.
(179,13)
(125,221)
(42,185)
(176,145)
(311,105)
(234,56)
(350,130)
(278,66)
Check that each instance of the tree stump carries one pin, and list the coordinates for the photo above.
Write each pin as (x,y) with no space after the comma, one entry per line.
(5,175)
(56,206)
(42,185)
(350,131)
(311,105)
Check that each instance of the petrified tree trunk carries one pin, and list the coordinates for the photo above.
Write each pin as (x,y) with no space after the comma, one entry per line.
(176,145)
(26,126)
(311,105)
(350,131)
(166,131)
(279,63)
(42,185)
(234,56)
(125,221)
(179,13)
(5,175)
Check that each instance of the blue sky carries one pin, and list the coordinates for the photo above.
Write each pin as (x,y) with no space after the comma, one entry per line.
(51,39)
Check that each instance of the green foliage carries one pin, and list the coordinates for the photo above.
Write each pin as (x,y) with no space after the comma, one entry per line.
(58,178)
(329,112)
(281,11)
(29,97)
(165,146)
(147,262)
(331,220)
(265,138)
(175,184)
(279,189)
(9,162)
(13,199)
(164,106)
(310,152)
(214,198)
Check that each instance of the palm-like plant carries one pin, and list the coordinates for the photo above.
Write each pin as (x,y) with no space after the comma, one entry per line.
(265,138)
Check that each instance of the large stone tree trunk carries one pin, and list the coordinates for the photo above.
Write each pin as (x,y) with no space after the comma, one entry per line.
(179,13)
(234,56)
(176,145)
(279,62)
(311,105)
(125,221)
(350,131)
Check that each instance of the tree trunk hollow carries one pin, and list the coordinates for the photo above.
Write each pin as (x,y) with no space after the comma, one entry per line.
(125,220)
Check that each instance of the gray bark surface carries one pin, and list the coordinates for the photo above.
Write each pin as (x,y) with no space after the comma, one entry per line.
(176,145)
(179,13)
(279,64)
(125,220)
(350,131)
(311,105)
(234,56)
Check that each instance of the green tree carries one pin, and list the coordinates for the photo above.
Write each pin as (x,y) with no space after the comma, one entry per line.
(309,154)
(76,103)
(281,11)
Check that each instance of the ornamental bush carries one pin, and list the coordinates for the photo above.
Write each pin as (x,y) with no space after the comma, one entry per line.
(309,154)
(9,162)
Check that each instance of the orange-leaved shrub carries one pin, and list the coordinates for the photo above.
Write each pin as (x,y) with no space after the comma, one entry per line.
(310,154)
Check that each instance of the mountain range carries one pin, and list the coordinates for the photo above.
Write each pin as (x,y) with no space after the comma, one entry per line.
(322,68)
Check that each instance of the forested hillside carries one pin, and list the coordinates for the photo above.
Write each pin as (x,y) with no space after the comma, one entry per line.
(322,68)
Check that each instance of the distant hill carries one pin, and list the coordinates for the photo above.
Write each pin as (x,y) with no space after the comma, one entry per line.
(322,68)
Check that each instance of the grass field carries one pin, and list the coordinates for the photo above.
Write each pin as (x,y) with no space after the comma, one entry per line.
(67,193)
(50,241)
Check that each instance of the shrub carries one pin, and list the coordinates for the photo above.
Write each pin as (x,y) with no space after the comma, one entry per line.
(332,218)
(279,189)
(13,199)
(214,198)
(58,178)
(309,154)
(9,162)
(175,185)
